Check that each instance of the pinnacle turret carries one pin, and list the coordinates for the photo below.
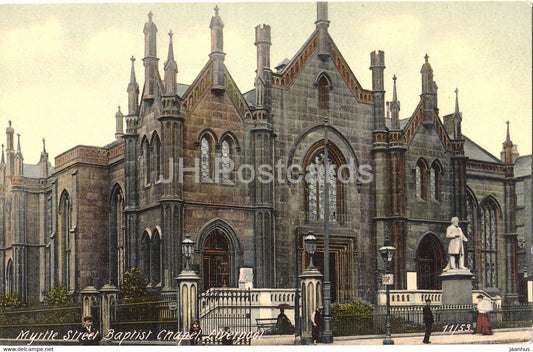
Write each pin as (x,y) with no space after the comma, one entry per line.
(171,69)
(133,91)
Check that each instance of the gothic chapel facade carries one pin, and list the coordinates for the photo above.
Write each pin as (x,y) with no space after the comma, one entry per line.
(103,210)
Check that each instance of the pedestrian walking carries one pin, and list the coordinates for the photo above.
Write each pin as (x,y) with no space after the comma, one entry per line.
(484,307)
(428,320)
(316,318)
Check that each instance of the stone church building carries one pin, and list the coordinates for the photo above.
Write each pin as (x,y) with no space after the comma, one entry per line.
(102,210)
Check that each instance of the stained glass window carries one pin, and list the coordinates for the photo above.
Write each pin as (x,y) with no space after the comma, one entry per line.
(420,180)
(204,159)
(316,190)
(489,237)
(226,160)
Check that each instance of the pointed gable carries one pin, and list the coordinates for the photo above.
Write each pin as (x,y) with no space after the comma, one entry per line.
(203,82)
(415,121)
(285,78)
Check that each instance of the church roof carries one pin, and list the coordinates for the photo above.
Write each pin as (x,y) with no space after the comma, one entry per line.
(34,171)
(182,88)
(522,166)
(403,122)
(249,96)
(475,152)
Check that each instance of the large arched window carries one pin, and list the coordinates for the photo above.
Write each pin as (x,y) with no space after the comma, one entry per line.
(489,235)
(421,179)
(117,240)
(434,184)
(63,255)
(316,178)
(156,157)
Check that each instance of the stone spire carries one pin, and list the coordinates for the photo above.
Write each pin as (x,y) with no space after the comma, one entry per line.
(19,151)
(43,161)
(3,162)
(19,159)
(119,119)
(509,151)
(217,50)
(217,34)
(429,92)
(171,69)
(377,66)
(456,101)
(322,24)
(394,107)
(9,133)
(133,91)
(427,76)
(150,58)
(263,78)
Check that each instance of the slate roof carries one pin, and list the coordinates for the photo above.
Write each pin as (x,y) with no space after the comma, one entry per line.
(475,152)
(522,166)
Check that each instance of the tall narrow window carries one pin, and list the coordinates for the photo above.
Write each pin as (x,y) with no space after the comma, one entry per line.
(145,257)
(117,238)
(435,181)
(10,284)
(488,243)
(63,250)
(471,217)
(156,150)
(421,180)
(155,259)
(205,165)
(323,94)
(146,161)
(226,160)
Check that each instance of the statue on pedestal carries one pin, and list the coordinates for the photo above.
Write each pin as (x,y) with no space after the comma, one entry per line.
(456,250)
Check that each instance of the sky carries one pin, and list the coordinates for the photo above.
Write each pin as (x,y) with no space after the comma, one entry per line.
(64,68)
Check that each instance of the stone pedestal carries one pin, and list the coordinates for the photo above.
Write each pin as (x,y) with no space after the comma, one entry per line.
(311,293)
(456,287)
(187,298)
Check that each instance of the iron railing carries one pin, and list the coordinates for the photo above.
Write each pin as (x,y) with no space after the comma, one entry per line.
(411,319)
(39,319)
(226,308)
(148,316)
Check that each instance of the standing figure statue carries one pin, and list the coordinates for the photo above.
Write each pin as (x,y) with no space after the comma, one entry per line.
(455,247)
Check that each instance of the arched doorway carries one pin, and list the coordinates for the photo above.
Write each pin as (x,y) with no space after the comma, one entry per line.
(216,261)
(429,258)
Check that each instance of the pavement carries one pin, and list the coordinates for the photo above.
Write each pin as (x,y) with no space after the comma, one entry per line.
(500,336)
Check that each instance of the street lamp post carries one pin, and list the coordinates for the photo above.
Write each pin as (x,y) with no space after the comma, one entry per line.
(327,336)
(310,244)
(187,250)
(387,253)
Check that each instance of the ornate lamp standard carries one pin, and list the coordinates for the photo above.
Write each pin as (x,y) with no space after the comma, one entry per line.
(187,250)
(310,244)
(387,253)
(327,336)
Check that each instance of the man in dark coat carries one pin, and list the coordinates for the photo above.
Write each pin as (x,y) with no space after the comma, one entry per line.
(428,320)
